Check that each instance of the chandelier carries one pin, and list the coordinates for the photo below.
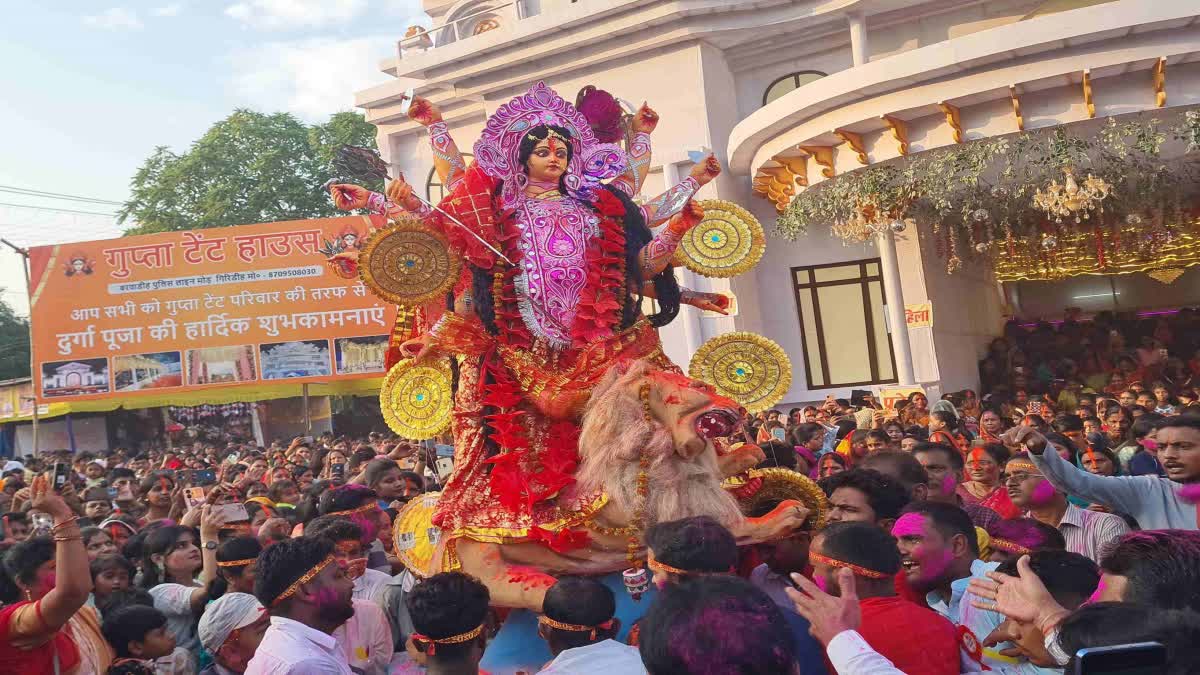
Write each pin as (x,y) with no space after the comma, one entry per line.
(1072,199)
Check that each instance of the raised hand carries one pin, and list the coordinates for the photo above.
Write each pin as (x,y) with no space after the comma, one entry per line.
(707,170)
(827,615)
(1024,437)
(45,499)
(424,112)
(1022,598)
(645,120)
(400,192)
(347,196)
(686,219)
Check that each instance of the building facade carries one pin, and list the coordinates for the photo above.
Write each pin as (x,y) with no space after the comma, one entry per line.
(789,93)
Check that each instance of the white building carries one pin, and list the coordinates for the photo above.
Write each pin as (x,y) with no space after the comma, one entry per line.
(787,92)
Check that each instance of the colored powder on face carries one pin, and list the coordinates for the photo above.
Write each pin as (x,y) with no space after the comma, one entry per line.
(933,566)
(909,525)
(328,597)
(1043,493)
(820,582)
(949,484)
(1190,493)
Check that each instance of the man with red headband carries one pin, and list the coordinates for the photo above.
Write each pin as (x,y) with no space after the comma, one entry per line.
(309,596)
(578,625)
(889,622)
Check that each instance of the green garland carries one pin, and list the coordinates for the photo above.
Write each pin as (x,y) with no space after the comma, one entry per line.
(981,193)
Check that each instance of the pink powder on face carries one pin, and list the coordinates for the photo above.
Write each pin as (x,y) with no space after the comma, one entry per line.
(1190,493)
(328,597)
(909,525)
(820,582)
(1043,493)
(1095,597)
(932,566)
(949,484)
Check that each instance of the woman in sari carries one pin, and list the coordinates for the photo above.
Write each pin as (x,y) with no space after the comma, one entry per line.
(45,626)
(983,485)
(916,413)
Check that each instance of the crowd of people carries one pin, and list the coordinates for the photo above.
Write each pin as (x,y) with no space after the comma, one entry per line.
(1002,532)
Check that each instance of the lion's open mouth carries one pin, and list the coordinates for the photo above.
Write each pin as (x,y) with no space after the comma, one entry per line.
(716,423)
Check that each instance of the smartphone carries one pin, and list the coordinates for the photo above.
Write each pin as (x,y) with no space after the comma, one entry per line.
(338,471)
(1141,658)
(40,524)
(204,477)
(62,473)
(779,434)
(194,497)
(234,513)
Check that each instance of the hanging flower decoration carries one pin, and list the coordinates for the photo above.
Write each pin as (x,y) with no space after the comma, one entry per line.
(979,200)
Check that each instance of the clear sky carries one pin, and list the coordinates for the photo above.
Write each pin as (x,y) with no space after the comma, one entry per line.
(90,89)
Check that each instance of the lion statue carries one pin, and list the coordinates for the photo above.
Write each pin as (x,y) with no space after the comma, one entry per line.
(639,421)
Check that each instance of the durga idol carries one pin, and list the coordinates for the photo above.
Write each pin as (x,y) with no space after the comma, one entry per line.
(558,260)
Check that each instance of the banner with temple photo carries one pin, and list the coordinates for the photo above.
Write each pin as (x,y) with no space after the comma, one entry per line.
(177,313)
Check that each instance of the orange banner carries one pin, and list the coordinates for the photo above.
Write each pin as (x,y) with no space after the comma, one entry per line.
(184,311)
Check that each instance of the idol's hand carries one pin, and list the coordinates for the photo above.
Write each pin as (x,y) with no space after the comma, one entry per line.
(347,196)
(400,192)
(707,170)
(418,349)
(689,217)
(710,302)
(645,120)
(424,112)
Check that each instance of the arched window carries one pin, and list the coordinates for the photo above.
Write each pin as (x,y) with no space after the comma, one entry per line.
(789,83)
(434,190)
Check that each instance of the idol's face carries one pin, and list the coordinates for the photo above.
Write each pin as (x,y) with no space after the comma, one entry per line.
(548,162)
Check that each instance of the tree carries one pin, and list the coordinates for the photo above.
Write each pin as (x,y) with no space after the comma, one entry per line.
(14,343)
(247,168)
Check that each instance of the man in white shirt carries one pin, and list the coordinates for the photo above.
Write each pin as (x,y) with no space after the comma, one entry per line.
(309,596)
(579,627)
(347,539)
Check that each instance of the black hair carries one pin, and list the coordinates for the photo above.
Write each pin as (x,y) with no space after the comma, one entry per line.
(946,417)
(863,544)
(949,520)
(160,542)
(136,542)
(125,598)
(1064,422)
(953,457)
(283,563)
(997,452)
(1032,534)
(1105,624)
(306,510)
(803,433)
(154,478)
(879,436)
(376,469)
(275,491)
(1071,578)
(21,562)
(687,630)
(779,454)
(237,548)
(1187,421)
(334,529)
(696,544)
(359,456)
(414,477)
(582,601)
(886,495)
(17,517)
(130,624)
(1162,567)
(345,498)
(445,605)
(1059,439)
(109,562)
(899,465)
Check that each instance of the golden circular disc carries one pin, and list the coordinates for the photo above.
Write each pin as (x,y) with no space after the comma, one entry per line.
(406,264)
(746,367)
(417,398)
(727,242)
(415,536)
(780,484)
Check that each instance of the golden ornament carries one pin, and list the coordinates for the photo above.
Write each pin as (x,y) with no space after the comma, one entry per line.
(779,484)
(727,242)
(417,398)
(407,264)
(746,367)
(1166,275)
(414,535)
